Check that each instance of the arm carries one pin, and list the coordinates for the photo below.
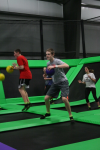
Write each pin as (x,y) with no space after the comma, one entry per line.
(19,67)
(62,66)
(94,80)
(79,81)
(47,78)
(20,64)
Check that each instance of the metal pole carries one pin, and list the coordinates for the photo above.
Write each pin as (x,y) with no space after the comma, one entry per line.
(41,40)
(83,39)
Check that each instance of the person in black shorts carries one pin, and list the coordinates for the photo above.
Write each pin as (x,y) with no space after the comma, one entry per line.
(60,83)
(24,78)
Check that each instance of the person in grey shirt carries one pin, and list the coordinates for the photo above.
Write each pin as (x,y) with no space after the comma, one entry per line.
(60,83)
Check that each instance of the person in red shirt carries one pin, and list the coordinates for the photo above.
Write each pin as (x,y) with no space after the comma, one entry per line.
(24,78)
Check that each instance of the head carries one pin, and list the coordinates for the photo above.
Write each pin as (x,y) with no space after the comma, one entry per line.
(44,70)
(50,54)
(17,52)
(88,69)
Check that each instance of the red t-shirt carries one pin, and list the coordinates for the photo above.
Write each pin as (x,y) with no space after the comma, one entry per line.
(24,73)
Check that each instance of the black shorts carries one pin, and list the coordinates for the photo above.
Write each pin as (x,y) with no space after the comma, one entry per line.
(47,87)
(56,88)
(24,82)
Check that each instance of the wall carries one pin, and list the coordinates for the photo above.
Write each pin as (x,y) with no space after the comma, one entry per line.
(32,7)
(92,38)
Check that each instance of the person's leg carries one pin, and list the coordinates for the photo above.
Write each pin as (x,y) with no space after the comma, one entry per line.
(23,94)
(51,92)
(64,87)
(24,83)
(47,103)
(87,92)
(95,97)
(67,105)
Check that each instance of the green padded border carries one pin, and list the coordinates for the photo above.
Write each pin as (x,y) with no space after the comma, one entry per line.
(75,72)
(2,94)
(93,144)
(38,63)
(70,72)
(90,60)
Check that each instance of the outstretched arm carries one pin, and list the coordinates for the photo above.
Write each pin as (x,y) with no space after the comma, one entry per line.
(58,66)
(79,81)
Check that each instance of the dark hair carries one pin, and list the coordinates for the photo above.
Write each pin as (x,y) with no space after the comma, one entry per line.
(17,51)
(90,70)
(51,51)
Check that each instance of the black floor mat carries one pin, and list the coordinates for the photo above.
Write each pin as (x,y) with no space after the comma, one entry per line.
(17,116)
(48,136)
(80,108)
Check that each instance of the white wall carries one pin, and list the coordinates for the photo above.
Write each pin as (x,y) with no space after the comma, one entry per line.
(91,2)
(32,7)
(92,39)
(87,13)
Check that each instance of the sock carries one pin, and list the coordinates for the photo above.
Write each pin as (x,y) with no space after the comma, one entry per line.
(99,106)
(89,106)
(48,113)
(71,117)
(28,102)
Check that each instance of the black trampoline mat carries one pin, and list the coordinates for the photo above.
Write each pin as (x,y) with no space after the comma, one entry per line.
(17,116)
(44,137)
(80,108)
(35,104)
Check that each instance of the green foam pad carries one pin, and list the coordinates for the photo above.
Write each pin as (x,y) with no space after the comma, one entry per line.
(55,118)
(93,144)
(90,60)
(74,74)
(92,116)
(97,90)
(70,71)
(72,62)
(19,100)
(38,63)
(2,94)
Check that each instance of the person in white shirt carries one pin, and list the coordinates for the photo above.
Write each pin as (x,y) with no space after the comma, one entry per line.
(89,80)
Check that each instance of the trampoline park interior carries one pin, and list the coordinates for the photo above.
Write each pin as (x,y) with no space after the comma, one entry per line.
(25,130)
(55,132)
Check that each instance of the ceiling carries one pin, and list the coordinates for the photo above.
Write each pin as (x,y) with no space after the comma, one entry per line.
(57,1)
(65,1)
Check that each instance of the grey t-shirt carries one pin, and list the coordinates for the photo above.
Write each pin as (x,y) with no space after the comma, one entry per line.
(59,75)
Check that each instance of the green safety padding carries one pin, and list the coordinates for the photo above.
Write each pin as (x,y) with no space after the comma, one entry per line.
(70,72)
(93,144)
(19,100)
(2,94)
(38,63)
(97,90)
(55,118)
(74,74)
(90,60)
(92,117)
(72,62)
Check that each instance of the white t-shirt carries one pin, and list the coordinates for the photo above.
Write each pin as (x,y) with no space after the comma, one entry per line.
(88,81)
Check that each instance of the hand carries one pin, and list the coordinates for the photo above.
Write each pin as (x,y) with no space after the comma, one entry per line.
(14,64)
(44,75)
(79,81)
(89,76)
(50,67)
